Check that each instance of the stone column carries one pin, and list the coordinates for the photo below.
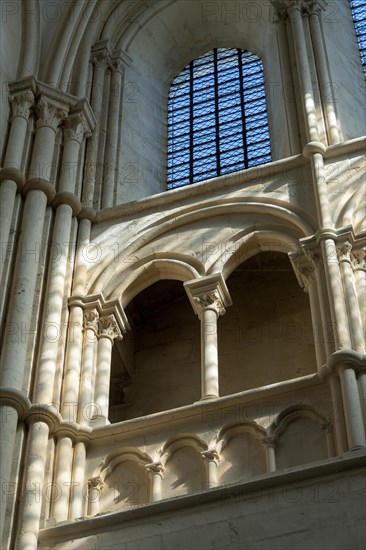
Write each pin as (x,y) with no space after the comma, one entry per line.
(100,59)
(62,479)
(270,445)
(305,274)
(287,85)
(111,161)
(78,493)
(345,261)
(157,470)
(359,269)
(352,407)
(38,192)
(293,11)
(67,206)
(108,332)
(91,324)
(209,297)
(31,500)
(212,457)
(11,176)
(314,9)
(95,485)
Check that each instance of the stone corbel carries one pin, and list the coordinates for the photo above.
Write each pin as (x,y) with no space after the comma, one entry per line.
(304,270)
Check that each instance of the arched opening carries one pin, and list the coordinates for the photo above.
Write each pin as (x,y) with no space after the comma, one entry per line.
(266,335)
(156,367)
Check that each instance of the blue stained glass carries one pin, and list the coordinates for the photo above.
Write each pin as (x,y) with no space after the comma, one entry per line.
(358,8)
(212,102)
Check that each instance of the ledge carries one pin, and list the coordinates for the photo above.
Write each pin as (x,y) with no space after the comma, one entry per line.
(201,188)
(223,182)
(204,408)
(304,474)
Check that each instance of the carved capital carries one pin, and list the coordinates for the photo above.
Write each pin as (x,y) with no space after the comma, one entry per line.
(285,9)
(76,128)
(21,104)
(344,252)
(91,320)
(269,441)
(108,328)
(211,455)
(50,113)
(208,293)
(155,468)
(101,53)
(210,301)
(95,483)
(359,259)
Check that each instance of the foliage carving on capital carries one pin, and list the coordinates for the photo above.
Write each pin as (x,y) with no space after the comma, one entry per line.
(101,58)
(76,128)
(211,455)
(49,113)
(344,252)
(304,7)
(359,259)
(155,468)
(108,328)
(95,483)
(21,104)
(269,441)
(210,301)
(91,320)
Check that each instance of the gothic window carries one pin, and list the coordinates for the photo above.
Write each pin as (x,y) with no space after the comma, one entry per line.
(358,8)
(217,117)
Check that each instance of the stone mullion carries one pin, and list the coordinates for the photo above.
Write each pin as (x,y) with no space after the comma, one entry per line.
(355,323)
(12,177)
